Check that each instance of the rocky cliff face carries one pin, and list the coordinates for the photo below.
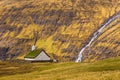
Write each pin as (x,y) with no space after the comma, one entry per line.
(3,53)
(63,27)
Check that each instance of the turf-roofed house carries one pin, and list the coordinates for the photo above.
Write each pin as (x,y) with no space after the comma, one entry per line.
(38,55)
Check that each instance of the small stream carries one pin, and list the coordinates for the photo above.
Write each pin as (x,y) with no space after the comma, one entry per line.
(96,35)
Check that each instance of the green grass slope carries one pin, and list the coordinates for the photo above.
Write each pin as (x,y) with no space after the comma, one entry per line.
(101,70)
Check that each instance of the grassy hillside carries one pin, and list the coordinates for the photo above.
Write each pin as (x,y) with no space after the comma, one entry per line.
(63,27)
(102,70)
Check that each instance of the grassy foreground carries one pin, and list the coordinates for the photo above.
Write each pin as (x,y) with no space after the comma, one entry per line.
(101,70)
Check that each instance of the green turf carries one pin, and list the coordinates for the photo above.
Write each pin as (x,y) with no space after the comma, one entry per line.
(34,53)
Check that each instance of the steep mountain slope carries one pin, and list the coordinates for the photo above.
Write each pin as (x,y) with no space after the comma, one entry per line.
(63,27)
(104,27)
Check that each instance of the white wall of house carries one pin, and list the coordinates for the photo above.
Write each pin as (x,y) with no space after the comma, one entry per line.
(29,59)
(41,57)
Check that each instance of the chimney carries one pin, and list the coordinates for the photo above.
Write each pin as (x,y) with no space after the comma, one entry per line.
(33,47)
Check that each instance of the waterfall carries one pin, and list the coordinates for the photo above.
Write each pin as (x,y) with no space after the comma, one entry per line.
(96,35)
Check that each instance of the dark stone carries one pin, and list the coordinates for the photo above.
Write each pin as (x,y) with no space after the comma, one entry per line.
(3,53)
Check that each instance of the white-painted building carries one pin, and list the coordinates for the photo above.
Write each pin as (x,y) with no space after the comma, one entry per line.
(38,55)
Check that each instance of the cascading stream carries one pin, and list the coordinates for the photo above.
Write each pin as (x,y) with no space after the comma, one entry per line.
(96,35)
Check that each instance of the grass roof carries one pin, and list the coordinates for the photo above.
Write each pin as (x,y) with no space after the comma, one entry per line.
(34,53)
